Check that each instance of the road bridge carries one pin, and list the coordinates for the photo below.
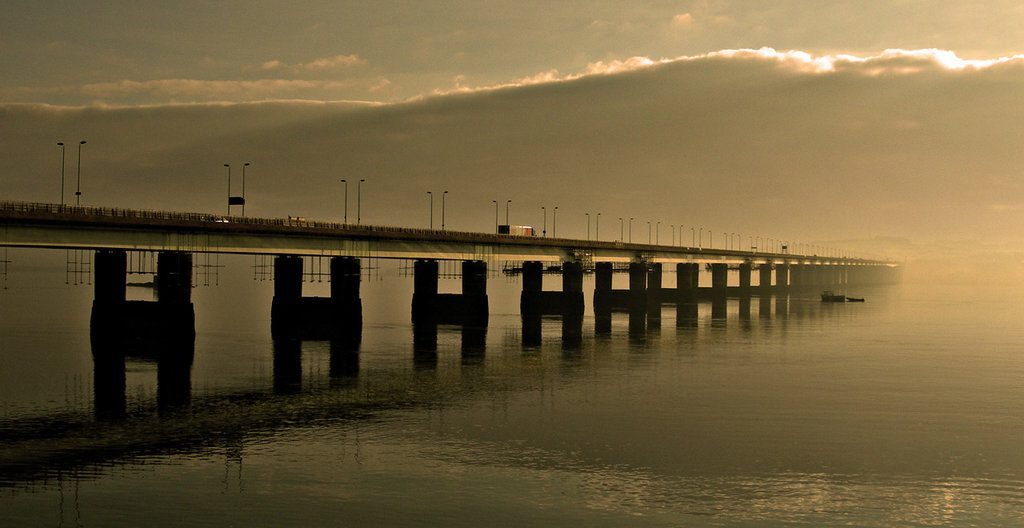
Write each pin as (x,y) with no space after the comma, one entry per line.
(176,236)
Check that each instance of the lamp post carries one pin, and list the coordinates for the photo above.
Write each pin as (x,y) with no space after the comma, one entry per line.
(693,238)
(631,230)
(544,233)
(244,165)
(78,190)
(359,201)
(673,226)
(507,203)
(700,238)
(649,239)
(346,200)
(620,229)
(554,222)
(62,158)
(588,225)
(495,202)
(443,195)
(597,227)
(431,195)
(657,233)
(228,165)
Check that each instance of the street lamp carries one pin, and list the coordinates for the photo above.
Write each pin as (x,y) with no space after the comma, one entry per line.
(495,202)
(657,233)
(693,237)
(62,157)
(346,200)
(228,165)
(631,230)
(359,201)
(443,195)
(544,233)
(649,232)
(78,191)
(700,238)
(431,195)
(673,226)
(554,223)
(244,165)
(507,203)
(597,227)
(588,225)
(620,229)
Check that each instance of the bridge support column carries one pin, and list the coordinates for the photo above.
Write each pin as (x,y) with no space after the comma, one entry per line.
(535,302)
(719,280)
(469,307)
(654,292)
(171,318)
(781,277)
(637,297)
(687,275)
(764,277)
(339,316)
(745,270)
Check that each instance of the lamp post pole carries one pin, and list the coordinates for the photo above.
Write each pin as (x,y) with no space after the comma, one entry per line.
(78,190)
(495,202)
(649,232)
(544,233)
(443,195)
(631,230)
(554,222)
(431,195)
(244,165)
(62,158)
(620,229)
(228,165)
(507,203)
(359,201)
(700,238)
(588,225)
(673,226)
(346,200)
(657,233)
(693,237)
(597,227)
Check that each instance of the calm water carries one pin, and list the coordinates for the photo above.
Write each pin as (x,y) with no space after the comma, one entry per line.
(905,410)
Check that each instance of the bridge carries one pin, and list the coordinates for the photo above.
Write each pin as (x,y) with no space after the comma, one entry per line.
(177,236)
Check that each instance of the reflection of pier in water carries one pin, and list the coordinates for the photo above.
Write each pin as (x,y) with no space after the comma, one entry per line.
(180,422)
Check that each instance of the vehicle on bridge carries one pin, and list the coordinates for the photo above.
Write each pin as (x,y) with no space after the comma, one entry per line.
(516,230)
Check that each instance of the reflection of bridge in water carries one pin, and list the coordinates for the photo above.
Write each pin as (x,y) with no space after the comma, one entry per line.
(38,448)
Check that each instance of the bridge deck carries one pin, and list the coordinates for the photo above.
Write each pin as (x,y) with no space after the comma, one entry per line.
(71,227)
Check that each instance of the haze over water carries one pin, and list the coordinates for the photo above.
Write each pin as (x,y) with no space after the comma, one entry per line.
(905,410)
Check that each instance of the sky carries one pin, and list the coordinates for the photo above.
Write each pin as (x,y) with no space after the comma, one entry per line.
(793,120)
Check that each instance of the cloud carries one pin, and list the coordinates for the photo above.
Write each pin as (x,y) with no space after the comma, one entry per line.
(334,62)
(207,89)
(682,20)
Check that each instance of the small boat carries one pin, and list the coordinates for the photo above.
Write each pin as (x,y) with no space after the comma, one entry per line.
(854,299)
(828,296)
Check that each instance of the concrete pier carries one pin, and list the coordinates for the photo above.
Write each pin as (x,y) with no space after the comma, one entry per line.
(339,316)
(745,270)
(468,308)
(170,318)
(687,277)
(781,277)
(535,302)
(719,280)
(654,292)
(764,277)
